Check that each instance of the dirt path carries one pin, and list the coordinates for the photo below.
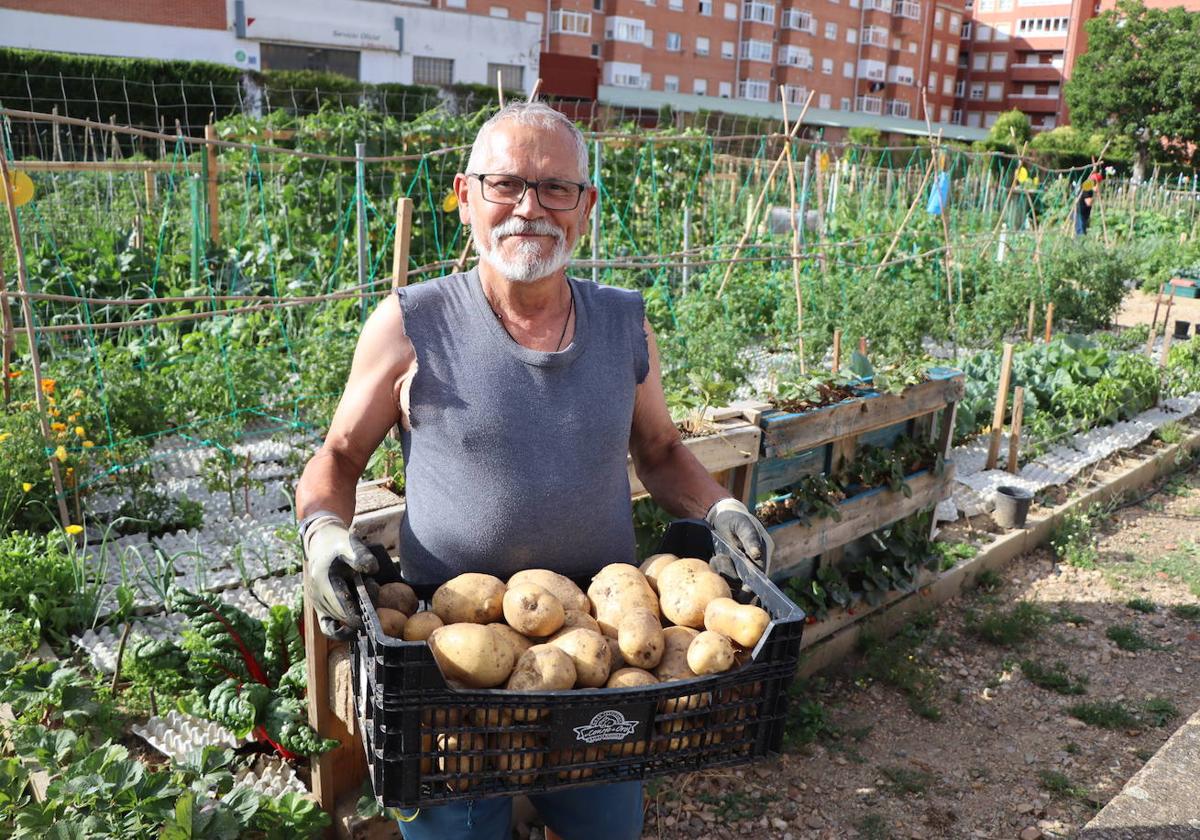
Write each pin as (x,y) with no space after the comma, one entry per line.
(1138,308)
(939,734)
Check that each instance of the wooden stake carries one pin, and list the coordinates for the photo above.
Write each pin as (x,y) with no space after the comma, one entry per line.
(791,170)
(1154,320)
(762,195)
(31,335)
(1167,325)
(1014,434)
(461,263)
(537,86)
(58,155)
(1029,324)
(1001,404)
(402,242)
(151,189)
(7,339)
(214,207)
(139,232)
(862,345)
(1049,321)
(837,350)
(500,87)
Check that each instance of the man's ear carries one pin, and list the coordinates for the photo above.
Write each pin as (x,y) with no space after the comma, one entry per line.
(462,191)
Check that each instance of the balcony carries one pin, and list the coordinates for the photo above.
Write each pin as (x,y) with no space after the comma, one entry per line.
(869,104)
(1035,73)
(1045,104)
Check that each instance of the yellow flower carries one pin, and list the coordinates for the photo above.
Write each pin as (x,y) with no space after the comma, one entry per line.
(73,417)
(79,431)
(5,436)
(15,374)
(58,427)
(450,203)
(26,486)
(74,529)
(48,386)
(61,454)
(88,444)
(77,393)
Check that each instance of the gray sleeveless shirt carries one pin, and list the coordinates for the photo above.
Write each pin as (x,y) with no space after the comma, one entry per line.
(516,458)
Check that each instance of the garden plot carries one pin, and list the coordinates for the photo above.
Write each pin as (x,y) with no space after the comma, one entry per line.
(976,487)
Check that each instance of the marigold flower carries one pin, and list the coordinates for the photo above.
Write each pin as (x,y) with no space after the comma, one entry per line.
(79,432)
(26,486)
(15,374)
(48,386)
(53,412)
(74,529)
(88,444)
(61,454)
(58,427)
(5,436)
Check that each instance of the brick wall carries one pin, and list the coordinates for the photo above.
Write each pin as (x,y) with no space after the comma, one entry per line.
(198,14)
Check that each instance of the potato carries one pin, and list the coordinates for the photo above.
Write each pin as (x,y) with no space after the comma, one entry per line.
(520,752)
(398,596)
(640,639)
(674,666)
(531,610)
(630,678)
(578,618)
(512,638)
(743,623)
(470,597)
(653,565)
(616,659)
(616,590)
(562,588)
(589,652)
(570,757)
(454,758)
(543,668)
(392,622)
(491,717)
(420,625)
(710,653)
(472,654)
(685,588)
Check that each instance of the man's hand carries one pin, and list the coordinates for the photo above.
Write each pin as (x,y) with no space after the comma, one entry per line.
(333,553)
(741,529)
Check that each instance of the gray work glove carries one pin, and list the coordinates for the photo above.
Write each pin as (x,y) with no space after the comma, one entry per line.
(741,529)
(333,553)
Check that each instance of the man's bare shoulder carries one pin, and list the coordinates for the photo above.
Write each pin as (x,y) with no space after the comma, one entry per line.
(383,338)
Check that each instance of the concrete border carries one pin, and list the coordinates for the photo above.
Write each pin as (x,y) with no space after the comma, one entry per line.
(888,617)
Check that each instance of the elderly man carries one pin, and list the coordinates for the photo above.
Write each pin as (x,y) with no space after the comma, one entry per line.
(519,392)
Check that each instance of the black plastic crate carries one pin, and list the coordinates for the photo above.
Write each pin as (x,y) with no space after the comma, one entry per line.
(428,744)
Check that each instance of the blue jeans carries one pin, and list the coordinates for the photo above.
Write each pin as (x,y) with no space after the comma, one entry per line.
(603,812)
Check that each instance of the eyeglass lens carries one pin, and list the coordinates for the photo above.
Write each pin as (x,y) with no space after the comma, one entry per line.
(510,189)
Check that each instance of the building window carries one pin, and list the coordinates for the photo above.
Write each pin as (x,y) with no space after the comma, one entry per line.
(945,117)
(897,44)
(983,33)
(498,11)
(754,89)
(844,103)
(730,13)
(512,76)
(955,25)
(898,74)
(872,70)
(623,74)
(999,62)
(671,84)
(724,89)
(848,69)
(974,118)
(534,17)
(595,50)
(794,56)
(571,23)
(977,91)
(1003,31)
(727,49)
(649,39)
(825,101)
(795,94)
(1004,6)
(706,8)
(935,50)
(995,91)
(939,18)
(799,20)
(868,104)
(428,70)
(960,88)
(851,35)
(875,36)
(933,80)
(878,5)
(700,87)
(756,51)
(951,53)
(908,9)
(289,57)
(898,108)
(827,66)
(675,5)
(956,116)
(979,61)
(830,31)
(966,30)
(674,42)
(701,45)
(630,30)
(989,119)
(948,86)
(597,5)
(753,10)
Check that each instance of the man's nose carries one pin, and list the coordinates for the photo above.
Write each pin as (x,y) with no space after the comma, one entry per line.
(529,207)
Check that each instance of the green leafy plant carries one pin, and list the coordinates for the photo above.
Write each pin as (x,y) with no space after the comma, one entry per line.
(1056,677)
(1023,622)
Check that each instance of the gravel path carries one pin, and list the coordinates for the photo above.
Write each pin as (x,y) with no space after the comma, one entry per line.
(990,755)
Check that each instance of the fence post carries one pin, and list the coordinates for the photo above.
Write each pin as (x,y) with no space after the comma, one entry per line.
(360,205)
(214,207)
(597,156)
(1001,405)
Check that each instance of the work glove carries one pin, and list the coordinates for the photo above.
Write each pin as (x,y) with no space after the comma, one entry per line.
(740,528)
(333,553)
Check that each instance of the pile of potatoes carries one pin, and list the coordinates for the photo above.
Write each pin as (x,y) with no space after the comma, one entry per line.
(671,619)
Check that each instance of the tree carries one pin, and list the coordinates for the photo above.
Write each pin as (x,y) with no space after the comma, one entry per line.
(1011,130)
(1140,79)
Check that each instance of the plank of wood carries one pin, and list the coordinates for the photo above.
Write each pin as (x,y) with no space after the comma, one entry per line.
(732,446)
(1001,406)
(785,434)
(1014,435)
(861,515)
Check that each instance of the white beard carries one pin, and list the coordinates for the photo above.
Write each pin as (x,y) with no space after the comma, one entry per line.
(528,265)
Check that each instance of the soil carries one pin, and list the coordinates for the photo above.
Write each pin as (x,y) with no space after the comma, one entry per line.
(1138,308)
(1004,759)
(829,394)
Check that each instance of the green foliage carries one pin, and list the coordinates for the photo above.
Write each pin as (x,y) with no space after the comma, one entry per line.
(1128,638)
(1010,131)
(41,579)
(1142,605)
(1110,714)
(1021,623)
(1138,78)
(1187,612)
(1060,785)
(1056,677)
(1074,540)
(902,663)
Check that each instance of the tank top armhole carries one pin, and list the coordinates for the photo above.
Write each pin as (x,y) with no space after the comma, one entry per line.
(402,299)
(641,343)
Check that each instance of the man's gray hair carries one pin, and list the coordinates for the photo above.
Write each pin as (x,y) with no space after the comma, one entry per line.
(534,113)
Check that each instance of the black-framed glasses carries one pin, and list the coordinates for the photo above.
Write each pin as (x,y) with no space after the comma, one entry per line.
(552,193)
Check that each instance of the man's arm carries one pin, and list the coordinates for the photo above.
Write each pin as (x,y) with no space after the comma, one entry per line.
(674,477)
(383,359)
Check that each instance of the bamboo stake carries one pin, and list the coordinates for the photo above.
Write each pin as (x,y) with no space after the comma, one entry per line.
(904,223)
(500,87)
(837,350)
(1014,434)
(791,170)
(1029,323)
(762,195)
(862,344)
(402,242)
(151,189)
(1154,320)
(214,207)
(1001,404)
(57,153)
(27,312)
(1167,322)
(6,341)
(1049,321)
(537,86)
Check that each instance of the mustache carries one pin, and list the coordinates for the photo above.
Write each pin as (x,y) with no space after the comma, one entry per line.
(514,226)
